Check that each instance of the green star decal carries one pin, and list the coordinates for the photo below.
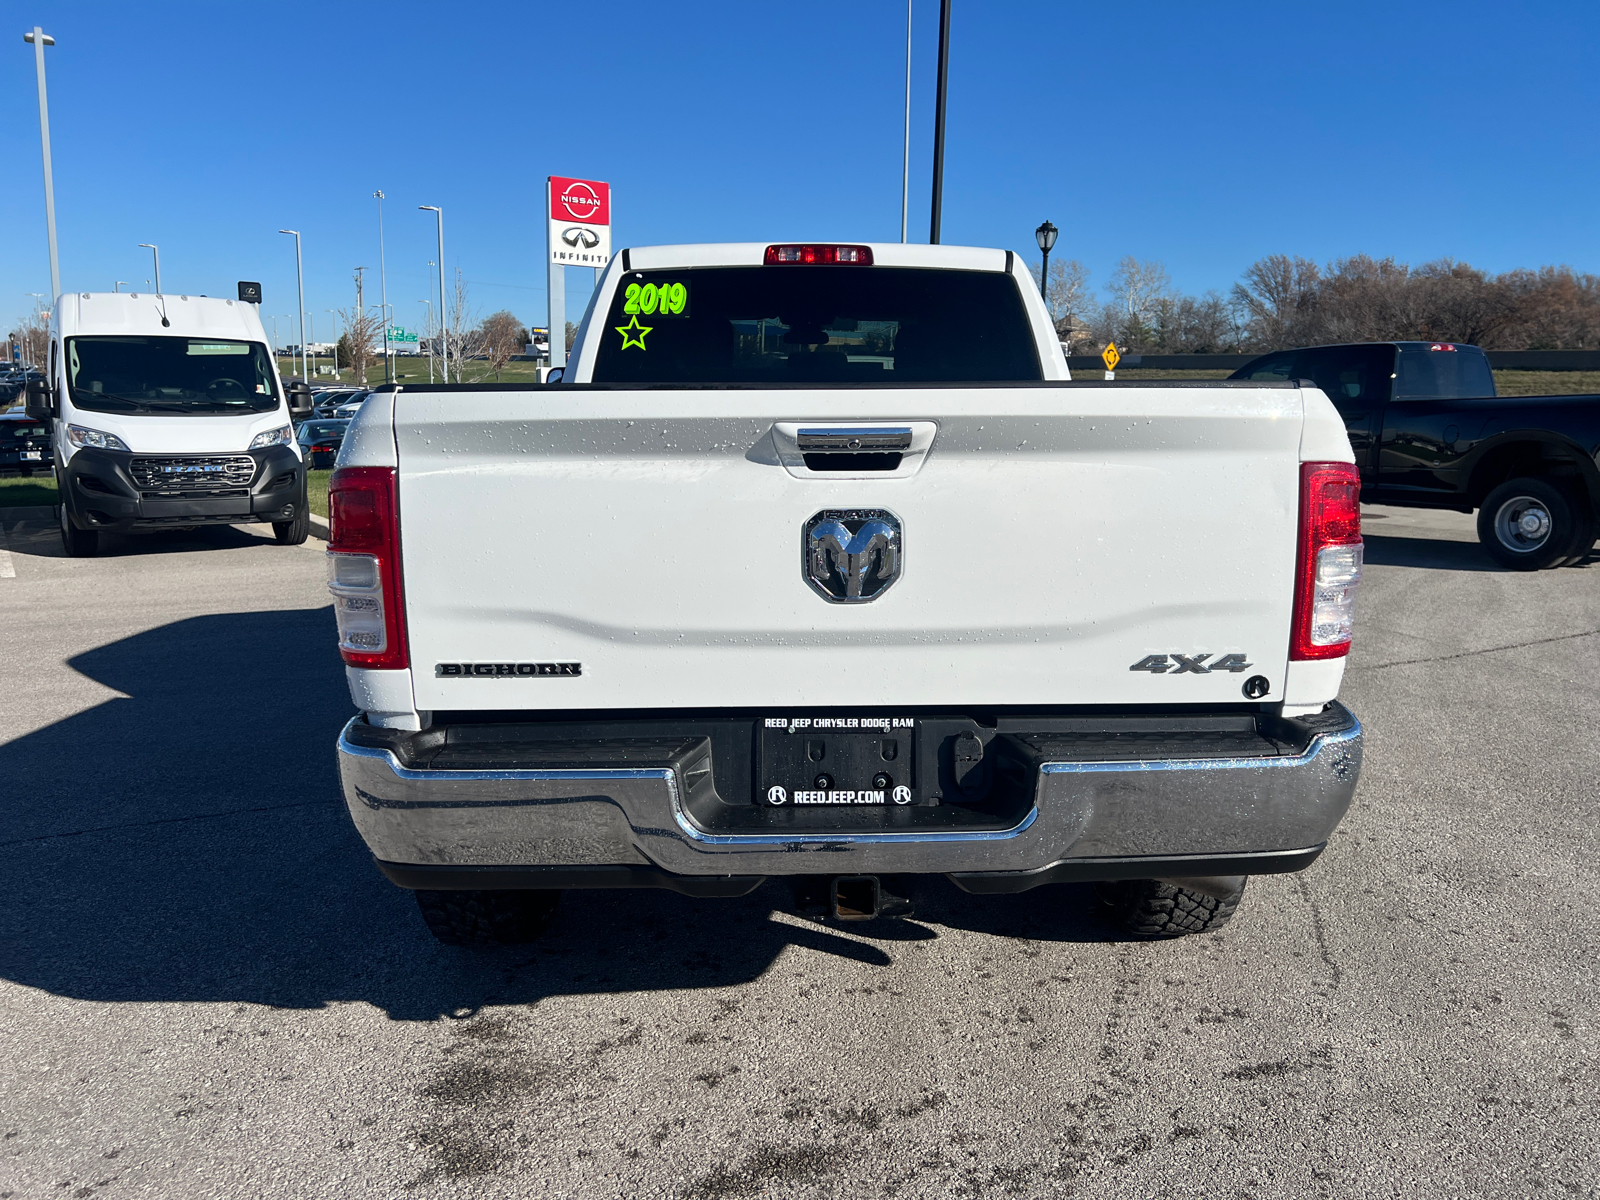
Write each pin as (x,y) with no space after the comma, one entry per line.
(633,333)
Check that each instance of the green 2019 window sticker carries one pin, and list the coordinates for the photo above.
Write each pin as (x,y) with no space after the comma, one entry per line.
(651,299)
(663,299)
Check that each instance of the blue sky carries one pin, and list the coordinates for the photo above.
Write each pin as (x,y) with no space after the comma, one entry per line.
(1204,136)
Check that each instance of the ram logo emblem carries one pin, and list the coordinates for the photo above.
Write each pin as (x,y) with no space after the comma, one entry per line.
(852,554)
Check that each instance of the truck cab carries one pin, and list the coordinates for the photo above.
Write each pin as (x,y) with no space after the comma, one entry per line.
(168,411)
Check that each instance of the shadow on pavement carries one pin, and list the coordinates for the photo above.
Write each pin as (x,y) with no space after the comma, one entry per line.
(187,842)
(36,534)
(1427,553)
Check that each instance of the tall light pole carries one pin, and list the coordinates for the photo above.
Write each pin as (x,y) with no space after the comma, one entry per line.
(905,170)
(444,341)
(383,294)
(1045,235)
(117,287)
(429,328)
(938,121)
(40,40)
(300,278)
(155,250)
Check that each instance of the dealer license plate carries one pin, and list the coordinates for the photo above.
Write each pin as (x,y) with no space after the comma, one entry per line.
(34,455)
(866,759)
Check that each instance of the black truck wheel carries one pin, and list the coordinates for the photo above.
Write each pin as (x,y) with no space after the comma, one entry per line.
(78,543)
(293,532)
(1165,908)
(1587,526)
(487,918)
(1529,524)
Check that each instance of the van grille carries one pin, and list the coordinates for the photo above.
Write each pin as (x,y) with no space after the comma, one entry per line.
(206,475)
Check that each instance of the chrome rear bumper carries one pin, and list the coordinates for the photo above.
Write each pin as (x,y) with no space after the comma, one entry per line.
(636,817)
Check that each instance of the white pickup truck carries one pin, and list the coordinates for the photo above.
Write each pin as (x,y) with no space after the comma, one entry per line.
(817,565)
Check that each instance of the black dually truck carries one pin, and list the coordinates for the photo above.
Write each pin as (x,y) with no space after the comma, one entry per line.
(1429,431)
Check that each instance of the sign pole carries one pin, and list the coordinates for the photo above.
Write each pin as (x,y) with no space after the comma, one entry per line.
(557,288)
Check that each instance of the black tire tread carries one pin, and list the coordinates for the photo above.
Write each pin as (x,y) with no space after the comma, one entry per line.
(293,532)
(1159,908)
(487,918)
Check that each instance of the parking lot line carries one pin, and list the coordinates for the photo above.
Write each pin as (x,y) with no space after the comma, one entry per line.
(8,569)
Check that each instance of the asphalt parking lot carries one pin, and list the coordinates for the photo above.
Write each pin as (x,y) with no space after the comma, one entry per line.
(207,990)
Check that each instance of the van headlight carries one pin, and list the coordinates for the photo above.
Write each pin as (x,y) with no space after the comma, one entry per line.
(281,436)
(94,439)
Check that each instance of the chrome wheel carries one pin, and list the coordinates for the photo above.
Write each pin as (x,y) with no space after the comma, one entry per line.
(1523,524)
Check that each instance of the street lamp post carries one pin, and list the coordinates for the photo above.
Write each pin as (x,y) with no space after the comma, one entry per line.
(905,165)
(444,341)
(938,121)
(300,278)
(335,317)
(383,295)
(1045,235)
(117,287)
(155,250)
(429,328)
(40,40)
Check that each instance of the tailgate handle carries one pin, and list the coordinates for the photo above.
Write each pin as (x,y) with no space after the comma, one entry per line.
(854,450)
(855,441)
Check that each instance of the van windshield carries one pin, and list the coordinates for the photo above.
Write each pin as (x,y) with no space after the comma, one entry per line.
(816,324)
(170,375)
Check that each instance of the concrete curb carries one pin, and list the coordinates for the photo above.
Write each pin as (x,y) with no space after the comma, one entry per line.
(319,527)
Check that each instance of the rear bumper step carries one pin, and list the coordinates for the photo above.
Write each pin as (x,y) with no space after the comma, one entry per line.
(1067,803)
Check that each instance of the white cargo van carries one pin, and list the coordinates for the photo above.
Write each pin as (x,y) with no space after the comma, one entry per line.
(168,411)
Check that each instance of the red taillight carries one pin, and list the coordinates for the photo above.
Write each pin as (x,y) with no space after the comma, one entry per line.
(364,567)
(1328,564)
(860,256)
(1441,346)
(324,446)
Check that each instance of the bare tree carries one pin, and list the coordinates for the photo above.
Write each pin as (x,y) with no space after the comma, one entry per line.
(1067,297)
(1137,287)
(1280,295)
(502,335)
(463,335)
(33,336)
(361,329)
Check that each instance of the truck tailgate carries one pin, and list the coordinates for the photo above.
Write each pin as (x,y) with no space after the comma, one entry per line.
(1053,537)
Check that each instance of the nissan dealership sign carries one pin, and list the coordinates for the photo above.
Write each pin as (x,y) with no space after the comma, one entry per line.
(580,222)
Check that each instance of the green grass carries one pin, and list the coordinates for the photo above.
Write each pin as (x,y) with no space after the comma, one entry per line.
(317,491)
(1507,383)
(18,491)
(1546,383)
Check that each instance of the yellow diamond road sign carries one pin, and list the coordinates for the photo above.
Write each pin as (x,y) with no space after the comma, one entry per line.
(1110,357)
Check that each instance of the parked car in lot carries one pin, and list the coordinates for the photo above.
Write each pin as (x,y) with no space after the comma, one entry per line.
(320,441)
(335,399)
(24,446)
(867,592)
(1428,431)
(350,406)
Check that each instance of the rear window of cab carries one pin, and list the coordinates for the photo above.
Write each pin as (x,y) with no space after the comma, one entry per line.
(816,325)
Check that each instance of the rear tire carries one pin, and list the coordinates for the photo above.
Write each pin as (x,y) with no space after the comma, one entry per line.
(78,543)
(293,532)
(1587,527)
(1164,908)
(487,918)
(1530,524)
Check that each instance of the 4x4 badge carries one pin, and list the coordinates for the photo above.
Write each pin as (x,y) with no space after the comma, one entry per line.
(1190,664)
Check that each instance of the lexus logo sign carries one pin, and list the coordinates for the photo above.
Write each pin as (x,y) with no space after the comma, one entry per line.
(579,215)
